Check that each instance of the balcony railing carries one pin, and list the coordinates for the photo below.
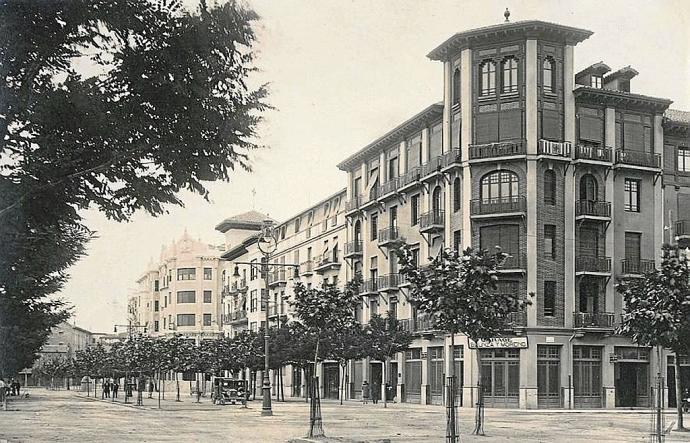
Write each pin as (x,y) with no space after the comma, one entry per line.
(683,228)
(517,319)
(498,205)
(355,203)
(432,221)
(590,263)
(422,323)
(638,158)
(353,249)
(369,286)
(595,320)
(502,149)
(234,316)
(514,261)
(388,235)
(597,153)
(451,157)
(390,281)
(411,176)
(433,165)
(592,208)
(637,266)
(556,149)
(306,268)
(391,185)
(277,277)
(329,260)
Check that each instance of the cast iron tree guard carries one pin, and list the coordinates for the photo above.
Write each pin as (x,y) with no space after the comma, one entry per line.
(458,291)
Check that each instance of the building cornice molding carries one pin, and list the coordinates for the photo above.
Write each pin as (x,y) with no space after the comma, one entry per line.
(620,99)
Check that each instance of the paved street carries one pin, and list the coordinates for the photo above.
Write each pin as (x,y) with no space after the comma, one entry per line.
(68,416)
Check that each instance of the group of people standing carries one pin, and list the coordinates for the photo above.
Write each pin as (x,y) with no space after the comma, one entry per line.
(12,388)
(371,391)
(108,387)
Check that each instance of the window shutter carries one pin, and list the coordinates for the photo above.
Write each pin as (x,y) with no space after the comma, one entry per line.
(591,129)
(633,136)
(683,206)
(487,128)
(511,125)
(551,128)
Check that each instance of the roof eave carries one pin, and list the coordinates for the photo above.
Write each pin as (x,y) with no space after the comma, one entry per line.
(636,100)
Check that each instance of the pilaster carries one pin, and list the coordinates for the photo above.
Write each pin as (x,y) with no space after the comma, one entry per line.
(659,208)
(569,191)
(465,141)
(610,186)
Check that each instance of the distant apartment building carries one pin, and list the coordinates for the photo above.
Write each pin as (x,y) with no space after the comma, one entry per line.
(180,294)
(574,176)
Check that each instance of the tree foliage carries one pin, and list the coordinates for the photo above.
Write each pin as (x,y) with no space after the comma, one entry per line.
(115,105)
(385,337)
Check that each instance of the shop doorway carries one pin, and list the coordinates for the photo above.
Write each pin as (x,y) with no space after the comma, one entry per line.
(331,380)
(631,374)
(413,376)
(376,371)
(501,377)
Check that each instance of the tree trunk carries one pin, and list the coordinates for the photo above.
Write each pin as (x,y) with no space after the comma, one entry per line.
(679,395)
(384,363)
(159,389)
(479,416)
(177,382)
(342,383)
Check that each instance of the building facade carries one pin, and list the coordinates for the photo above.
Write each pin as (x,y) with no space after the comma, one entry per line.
(568,172)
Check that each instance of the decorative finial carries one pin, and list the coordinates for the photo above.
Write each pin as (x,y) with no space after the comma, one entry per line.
(507,15)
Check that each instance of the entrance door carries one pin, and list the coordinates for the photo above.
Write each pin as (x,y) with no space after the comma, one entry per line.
(501,377)
(413,376)
(548,376)
(626,384)
(376,380)
(331,380)
(436,375)
(393,380)
(296,381)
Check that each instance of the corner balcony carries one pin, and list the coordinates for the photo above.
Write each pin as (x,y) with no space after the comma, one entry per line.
(432,221)
(328,262)
(593,320)
(389,282)
(636,268)
(353,249)
(637,160)
(593,154)
(592,265)
(277,278)
(431,168)
(593,210)
(514,263)
(559,150)
(388,236)
(502,150)
(306,268)
(498,207)
(451,159)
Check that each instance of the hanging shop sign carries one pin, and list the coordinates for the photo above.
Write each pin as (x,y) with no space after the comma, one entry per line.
(500,342)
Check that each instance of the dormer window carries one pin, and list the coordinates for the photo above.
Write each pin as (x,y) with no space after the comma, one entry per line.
(548,72)
(510,75)
(487,79)
(595,81)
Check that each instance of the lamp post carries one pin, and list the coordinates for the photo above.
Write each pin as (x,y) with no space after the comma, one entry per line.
(267,244)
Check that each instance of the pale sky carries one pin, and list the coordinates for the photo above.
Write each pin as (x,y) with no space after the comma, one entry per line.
(342,73)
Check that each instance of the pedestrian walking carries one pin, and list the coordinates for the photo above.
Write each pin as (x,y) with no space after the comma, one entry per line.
(18,387)
(116,386)
(151,386)
(375,393)
(365,392)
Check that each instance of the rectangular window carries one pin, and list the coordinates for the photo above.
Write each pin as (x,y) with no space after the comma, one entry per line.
(156,285)
(373,307)
(550,241)
(186,297)
(393,216)
(633,241)
(155,326)
(374,227)
(253,270)
(252,326)
(208,274)
(252,301)
(505,236)
(207,296)
(549,298)
(393,167)
(264,300)
(683,159)
(207,319)
(414,209)
(186,274)
(595,82)
(186,320)
(156,306)
(632,195)
(297,223)
(457,240)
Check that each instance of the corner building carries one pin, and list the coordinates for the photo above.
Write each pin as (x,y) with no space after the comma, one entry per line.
(573,175)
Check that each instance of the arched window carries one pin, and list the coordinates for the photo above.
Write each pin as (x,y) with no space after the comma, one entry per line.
(487,79)
(549,187)
(456,194)
(499,186)
(437,200)
(510,75)
(548,73)
(588,188)
(456,86)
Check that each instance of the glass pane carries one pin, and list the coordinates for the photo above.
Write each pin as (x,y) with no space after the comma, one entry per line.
(554,383)
(541,378)
(596,379)
(499,379)
(486,378)
(513,380)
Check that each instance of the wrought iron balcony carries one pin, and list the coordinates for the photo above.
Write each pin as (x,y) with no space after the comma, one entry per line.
(432,221)
(306,268)
(410,177)
(354,249)
(517,319)
(432,166)
(354,204)
(502,206)
(593,320)
(235,316)
(277,277)
(369,286)
(636,266)
(389,187)
(638,158)
(450,158)
(593,209)
(421,324)
(388,282)
(591,264)
(328,262)
(595,153)
(388,235)
(494,150)
(555,149)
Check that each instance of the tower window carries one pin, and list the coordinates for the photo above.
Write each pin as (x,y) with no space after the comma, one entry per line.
(487,80)
(510,75)
(548,72)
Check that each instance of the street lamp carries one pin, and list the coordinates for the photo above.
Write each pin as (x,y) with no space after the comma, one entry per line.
(267,244)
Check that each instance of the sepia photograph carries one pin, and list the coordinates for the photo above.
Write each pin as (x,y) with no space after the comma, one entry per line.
(344,221)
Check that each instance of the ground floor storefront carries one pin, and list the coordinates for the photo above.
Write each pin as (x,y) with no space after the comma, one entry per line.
(538,370)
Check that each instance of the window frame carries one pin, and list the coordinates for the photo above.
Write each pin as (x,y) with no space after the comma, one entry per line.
(181,300)
(550,186)
(550,229)
(548,73)
(631,193)
(183,274)
(487,183)
(210,296)
(487,78)
(509,75)
(684,159)
(550,295)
